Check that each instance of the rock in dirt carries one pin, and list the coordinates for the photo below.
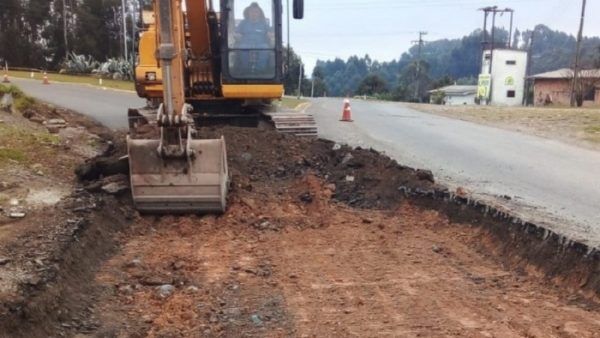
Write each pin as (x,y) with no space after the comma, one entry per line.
(306,197)
(16,214)
(165,291)
(4,261)
(55,125)
(102,167)
(246,157)
(425,175)
(256,320)
(157,281)
(347,158)
(115,188)
(115,185)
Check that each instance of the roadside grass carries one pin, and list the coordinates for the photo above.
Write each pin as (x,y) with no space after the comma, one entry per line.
(25,146)
(593,133)
(564,123)
(20,143)
(81,79)
(291,102)
(11,155)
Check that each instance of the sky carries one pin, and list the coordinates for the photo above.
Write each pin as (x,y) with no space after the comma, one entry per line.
(385,29)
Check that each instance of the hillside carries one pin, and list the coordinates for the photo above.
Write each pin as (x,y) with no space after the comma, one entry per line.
(446,61)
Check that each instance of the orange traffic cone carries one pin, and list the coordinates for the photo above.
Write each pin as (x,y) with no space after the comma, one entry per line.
(347,113)
(45,81)
(5,80)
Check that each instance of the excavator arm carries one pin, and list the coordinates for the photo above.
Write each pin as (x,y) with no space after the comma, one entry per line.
(175,171)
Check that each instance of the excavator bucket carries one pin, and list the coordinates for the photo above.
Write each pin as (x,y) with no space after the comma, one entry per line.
(195,184)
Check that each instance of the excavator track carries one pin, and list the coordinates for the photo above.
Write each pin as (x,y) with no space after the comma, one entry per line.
(295,123)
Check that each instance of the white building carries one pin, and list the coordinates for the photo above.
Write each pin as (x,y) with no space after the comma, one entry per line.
(456,95)
(507,82)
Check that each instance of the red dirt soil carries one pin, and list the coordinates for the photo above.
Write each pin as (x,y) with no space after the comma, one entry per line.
(277,266)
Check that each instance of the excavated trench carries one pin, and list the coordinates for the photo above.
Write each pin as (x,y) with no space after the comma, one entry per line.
(319,240)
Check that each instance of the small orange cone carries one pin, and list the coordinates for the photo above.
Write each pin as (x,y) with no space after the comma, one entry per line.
(5,80)
(45,81)
(347,113)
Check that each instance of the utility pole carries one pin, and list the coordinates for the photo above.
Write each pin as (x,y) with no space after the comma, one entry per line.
(312,87)
(124,15)
(300,73)
(528,70)
(512,12)
(493,39)
(65,35)
(418,84)
(576,70)
(484,39)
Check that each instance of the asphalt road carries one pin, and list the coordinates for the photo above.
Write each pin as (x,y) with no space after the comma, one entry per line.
(109,107)
(547,181)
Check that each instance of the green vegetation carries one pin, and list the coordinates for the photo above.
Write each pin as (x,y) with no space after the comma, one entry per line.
(291,102)
(81,79)
(18,141)
(593,129)
(11,154)
(32,31)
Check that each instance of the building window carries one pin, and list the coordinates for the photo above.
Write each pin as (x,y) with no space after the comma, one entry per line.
(511,93)
(511,62)
(590,95)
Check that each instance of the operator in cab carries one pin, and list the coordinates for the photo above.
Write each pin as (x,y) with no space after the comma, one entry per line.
(254,34)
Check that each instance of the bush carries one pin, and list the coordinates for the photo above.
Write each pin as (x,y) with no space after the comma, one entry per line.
(117,69)
(79,64)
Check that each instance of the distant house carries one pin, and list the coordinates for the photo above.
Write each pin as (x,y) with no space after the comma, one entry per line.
(455,95)
(505,86)
(554,88)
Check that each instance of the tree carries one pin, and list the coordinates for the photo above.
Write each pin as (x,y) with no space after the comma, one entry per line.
(371,85)
(320,88)
(293,66)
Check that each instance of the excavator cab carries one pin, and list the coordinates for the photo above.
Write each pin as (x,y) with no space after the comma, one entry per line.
(194,63)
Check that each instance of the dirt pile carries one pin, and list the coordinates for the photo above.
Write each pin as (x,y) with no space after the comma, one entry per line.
(362,178)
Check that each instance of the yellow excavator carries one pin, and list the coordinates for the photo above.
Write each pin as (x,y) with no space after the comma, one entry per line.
(199,66)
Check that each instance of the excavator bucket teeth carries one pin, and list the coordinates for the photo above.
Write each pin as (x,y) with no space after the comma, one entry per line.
(198,184)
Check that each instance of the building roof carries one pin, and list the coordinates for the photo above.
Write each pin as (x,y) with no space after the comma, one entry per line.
(567,73)
(456,90)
